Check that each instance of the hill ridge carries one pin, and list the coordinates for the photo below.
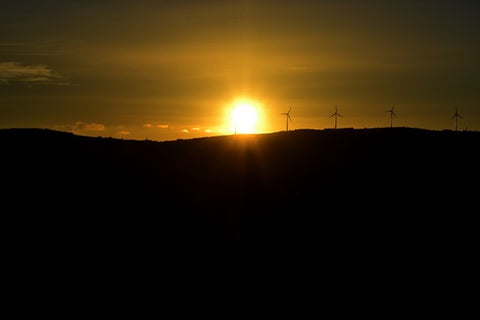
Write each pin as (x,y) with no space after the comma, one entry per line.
(47,131)
(246,186)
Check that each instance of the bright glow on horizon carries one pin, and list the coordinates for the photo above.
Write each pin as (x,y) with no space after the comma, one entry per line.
(244,116)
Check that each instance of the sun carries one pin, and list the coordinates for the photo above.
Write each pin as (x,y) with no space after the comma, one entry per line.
(244,116)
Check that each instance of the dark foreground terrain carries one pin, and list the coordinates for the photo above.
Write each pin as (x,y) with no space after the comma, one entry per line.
(384,219)
(355,188)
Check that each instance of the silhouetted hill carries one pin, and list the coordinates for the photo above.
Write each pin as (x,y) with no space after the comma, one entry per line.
(375,188)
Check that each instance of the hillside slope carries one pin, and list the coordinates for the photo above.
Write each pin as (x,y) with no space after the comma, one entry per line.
(276,187)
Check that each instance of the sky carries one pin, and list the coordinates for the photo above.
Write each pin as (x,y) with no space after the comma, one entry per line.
(165,70)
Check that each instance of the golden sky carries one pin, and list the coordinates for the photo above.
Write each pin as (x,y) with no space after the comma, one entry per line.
(165,70)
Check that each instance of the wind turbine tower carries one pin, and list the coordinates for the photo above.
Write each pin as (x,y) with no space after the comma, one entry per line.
(335,115)
(392,114)
(456,116)
(287,115)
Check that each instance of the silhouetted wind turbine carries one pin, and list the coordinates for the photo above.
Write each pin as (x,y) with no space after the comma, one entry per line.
(456,116)
(392,114)
(287,115)
(335,115)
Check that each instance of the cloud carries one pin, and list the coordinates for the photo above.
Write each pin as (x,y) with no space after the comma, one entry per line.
(185,130)
(15,71)
(196,129)
(123,132)
(82,127)
(161,126)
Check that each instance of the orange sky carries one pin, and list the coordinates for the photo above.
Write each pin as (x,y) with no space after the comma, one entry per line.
(165,70)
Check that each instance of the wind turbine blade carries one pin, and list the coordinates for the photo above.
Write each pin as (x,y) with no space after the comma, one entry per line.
(289,117)
(332,115)
(459,116)
(340,115)
(394,114)
(289,110)
(453,117)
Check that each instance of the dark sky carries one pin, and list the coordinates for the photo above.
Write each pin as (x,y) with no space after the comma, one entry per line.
(171,69)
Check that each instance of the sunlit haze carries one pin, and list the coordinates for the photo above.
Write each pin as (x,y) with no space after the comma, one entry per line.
(166,70)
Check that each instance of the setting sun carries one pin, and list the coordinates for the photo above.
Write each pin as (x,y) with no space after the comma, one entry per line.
(244,117)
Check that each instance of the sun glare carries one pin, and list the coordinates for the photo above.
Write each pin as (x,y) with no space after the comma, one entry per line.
(244,117)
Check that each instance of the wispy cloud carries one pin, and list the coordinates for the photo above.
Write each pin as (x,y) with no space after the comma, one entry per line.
(80,127)
(161,126)
(123,132)
(39,73)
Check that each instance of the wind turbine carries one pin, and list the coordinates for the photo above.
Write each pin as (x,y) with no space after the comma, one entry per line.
(456,116)
(392,114)
(335,115)
(287,115)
